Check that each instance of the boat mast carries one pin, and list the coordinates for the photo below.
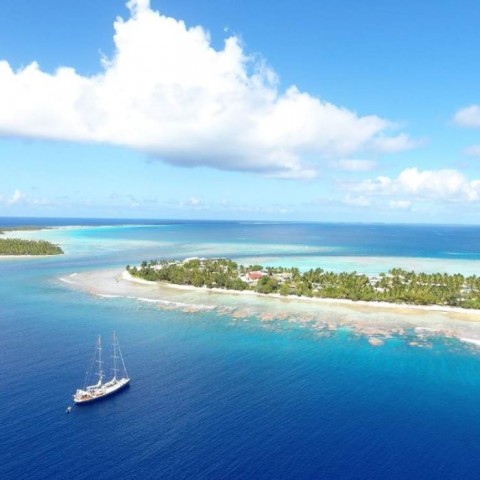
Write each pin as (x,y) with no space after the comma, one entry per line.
(114,356)
(123,363)
(99,361)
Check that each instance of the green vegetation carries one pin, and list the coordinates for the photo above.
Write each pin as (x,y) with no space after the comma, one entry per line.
(221,273)
(396,286)
(14,246)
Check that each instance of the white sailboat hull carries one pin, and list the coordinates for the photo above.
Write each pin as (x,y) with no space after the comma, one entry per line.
(103,389)
(98,392)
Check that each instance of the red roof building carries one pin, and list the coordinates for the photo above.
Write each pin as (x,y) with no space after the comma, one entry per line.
(255,275)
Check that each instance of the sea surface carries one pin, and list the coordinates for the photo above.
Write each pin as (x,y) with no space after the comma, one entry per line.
(216,397)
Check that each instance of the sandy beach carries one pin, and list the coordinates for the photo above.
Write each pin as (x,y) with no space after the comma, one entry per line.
(336,301)
(17,257)
(375,320)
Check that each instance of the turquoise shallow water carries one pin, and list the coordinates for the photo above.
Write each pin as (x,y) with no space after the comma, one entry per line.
(217,397)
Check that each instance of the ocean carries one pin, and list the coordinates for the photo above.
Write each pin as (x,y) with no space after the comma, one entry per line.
(213,396)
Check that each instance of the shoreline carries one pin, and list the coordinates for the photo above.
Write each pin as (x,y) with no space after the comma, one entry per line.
(332,301)
(418,326)
(20,234)
(17,257)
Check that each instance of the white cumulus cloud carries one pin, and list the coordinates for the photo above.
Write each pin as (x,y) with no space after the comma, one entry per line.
(357,201)
(468,116)
(355,165)
(194,202)
(445,185)
(168,92)
(472,151)
(397,143)
(400,204)
(17,197)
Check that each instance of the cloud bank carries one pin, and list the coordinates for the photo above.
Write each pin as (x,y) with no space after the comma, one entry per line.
(355,165)
(438,185)
(472,151)
(166,91)
(17,197)
(468,116)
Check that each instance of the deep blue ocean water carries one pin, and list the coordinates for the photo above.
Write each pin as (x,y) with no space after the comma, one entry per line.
(215,398)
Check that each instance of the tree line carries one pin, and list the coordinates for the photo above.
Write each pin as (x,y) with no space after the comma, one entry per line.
(15,246)
(21,227)
(395,286)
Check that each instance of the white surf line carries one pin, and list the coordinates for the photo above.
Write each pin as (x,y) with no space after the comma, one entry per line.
(160,301)
(68,280)
(470,340)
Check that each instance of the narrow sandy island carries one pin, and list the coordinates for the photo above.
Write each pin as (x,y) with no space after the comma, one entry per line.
(336,301)
(18,257)
(378,321)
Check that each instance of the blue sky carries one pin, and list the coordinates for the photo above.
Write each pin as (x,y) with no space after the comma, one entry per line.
(307,110)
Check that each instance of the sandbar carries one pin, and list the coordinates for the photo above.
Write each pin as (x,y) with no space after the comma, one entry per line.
(375,321)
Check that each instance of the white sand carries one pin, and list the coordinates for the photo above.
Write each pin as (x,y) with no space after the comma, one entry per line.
(473,313)
(371,319)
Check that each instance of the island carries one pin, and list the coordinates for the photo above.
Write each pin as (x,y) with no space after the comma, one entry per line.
(21,247)
(395,286)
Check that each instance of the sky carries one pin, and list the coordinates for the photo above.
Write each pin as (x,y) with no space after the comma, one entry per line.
(314,110)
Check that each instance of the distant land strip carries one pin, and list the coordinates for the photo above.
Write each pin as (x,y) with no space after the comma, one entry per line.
(3,230)
(17,246)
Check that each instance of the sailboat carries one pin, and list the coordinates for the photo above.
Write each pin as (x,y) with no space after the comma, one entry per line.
(103,389)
